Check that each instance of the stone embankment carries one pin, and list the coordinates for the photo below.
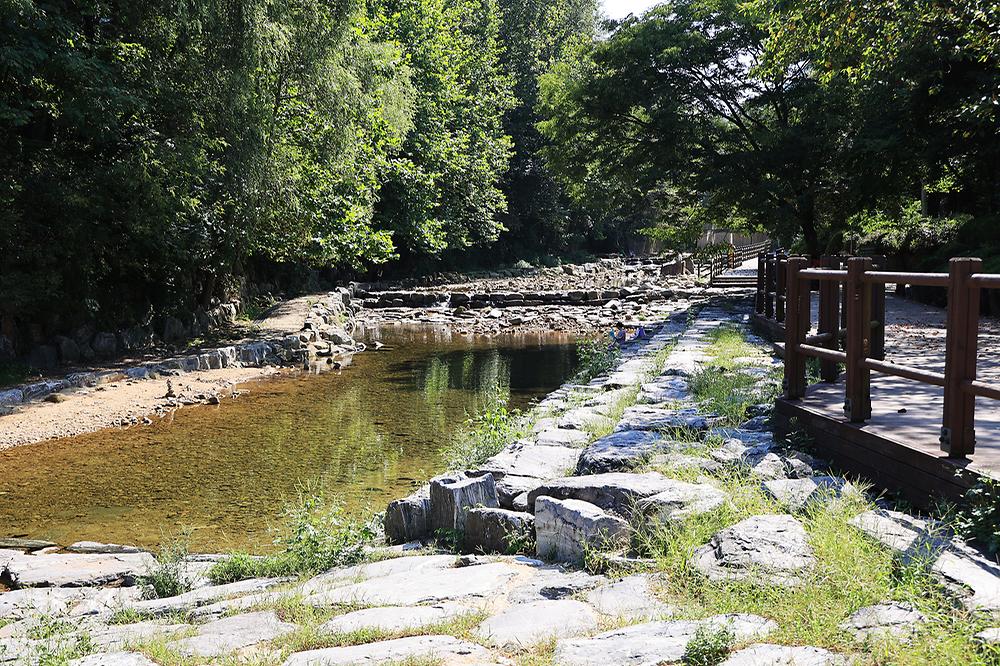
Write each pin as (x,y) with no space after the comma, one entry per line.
(628,449)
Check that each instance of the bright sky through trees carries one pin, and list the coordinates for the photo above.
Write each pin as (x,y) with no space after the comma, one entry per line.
(617,9)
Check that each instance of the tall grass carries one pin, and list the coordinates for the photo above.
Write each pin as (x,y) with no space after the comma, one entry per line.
(486,433)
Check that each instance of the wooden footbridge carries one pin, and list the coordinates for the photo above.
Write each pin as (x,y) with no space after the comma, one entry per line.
(917,412)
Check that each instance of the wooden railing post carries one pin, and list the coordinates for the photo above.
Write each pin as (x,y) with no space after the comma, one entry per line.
(858,400)
(780,295)
(878,313)
(958,432)
(796,328)
(829,318)
(769,266)
(759,298)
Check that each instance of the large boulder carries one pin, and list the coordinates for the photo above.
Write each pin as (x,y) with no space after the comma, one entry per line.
(69,351)
(974,578)
(43,357)
(408,519)
(565,529)
(498,530)
(105,345)
(615,491)
(619,451)
(452,495)
(773,549)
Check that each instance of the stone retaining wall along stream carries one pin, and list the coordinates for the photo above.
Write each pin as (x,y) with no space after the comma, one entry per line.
(566,497)
(322,336)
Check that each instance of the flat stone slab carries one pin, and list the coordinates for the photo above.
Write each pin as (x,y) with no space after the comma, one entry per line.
(652,643)
(203,596)
(581,418)
(95,547)
(448,648)
(892,619)
(430,586)
(562,437)
(232,633)
(71,570)
(617,491)
(664,389)
(619,451)
(686,461)
(646,417)
(539,461)
(797,494)
(41,600)
(682,500)
(528,624)
(564,529)
(784,655)
(117,636)
(394,618)
(631,598)
(552,582)
(114,659)
(380,569)
(774,549)
(971,576)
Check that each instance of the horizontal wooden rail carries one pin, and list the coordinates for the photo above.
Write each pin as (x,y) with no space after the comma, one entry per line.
(824,274)
(985,280)
(919,279)
(823,353)
(981,389)
(905,371)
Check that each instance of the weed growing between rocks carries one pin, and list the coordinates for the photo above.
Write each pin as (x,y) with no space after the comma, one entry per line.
(708,647)
(595,358)
(169,577)
(978,514)
(317,536)
(487,433)
(731,384)
(55,643)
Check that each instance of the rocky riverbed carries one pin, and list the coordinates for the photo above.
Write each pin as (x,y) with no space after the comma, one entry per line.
(649,531)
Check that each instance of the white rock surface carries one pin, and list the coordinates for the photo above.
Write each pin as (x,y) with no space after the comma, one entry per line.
(652,643)
(232,633)
(525,625)
(796,494)
(631,598)
(682,500)
(114,659)
(447,648)
(71,570)
(774,549)
(784,655)
(565,528)
(892,619)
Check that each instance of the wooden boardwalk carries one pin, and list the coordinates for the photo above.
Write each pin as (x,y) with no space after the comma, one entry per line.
(899,447)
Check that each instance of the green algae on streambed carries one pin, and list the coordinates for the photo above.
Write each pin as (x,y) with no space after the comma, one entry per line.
(365,435)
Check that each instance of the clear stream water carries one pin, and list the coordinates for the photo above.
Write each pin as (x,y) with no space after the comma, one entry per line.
(366,435)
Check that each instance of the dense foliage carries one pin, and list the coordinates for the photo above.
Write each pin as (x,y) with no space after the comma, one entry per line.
(151,154)
(828,124)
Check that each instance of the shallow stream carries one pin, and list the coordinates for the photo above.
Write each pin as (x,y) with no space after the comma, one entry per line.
(366,435)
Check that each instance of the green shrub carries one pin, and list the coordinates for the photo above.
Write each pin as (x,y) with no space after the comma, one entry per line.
(708,647)
(978,515)
(596,357)
(485,434)
(168,577)
(316,537)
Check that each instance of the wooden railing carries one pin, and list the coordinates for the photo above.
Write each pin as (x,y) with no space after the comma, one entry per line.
(728,258)
(852,315)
